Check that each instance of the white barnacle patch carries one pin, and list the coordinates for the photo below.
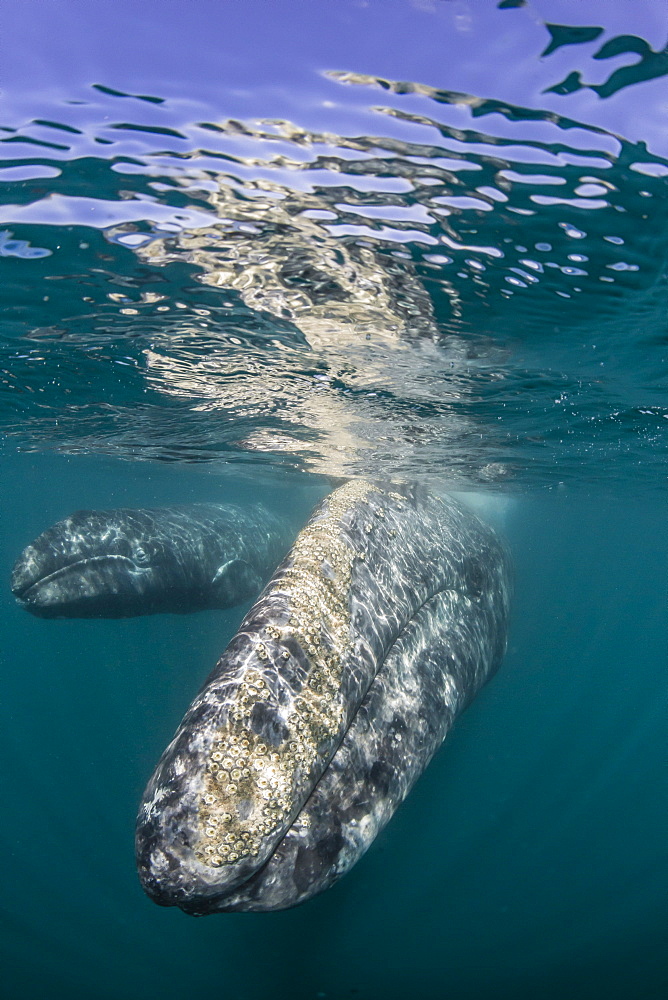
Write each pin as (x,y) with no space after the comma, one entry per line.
(250,789)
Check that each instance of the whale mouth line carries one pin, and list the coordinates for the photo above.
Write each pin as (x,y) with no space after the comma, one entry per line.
(24,593)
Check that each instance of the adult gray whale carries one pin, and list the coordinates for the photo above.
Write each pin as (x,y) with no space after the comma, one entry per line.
(383,621)
(125,562)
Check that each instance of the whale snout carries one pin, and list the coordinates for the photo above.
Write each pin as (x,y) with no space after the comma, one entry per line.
(97,586)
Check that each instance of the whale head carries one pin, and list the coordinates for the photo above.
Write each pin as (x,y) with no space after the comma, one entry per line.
(92,564)
(126,562)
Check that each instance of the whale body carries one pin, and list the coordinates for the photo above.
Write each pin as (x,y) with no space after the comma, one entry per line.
(125,562)
(384,619)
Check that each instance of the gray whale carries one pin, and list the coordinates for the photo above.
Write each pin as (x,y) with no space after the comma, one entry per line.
(379,626)
(125,562)
(383,621)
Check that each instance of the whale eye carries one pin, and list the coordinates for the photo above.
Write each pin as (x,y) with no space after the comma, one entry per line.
(140,555)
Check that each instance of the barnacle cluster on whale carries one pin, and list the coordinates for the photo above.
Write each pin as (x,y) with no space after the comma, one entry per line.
(248,783)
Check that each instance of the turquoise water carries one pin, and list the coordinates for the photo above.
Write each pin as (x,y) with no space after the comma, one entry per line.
(427,242)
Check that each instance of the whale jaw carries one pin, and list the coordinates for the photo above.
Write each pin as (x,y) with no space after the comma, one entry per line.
(106,586)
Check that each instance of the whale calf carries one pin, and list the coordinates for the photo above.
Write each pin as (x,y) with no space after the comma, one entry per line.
(383,621)
(125,562)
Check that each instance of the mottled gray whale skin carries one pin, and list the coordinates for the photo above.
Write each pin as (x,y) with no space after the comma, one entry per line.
(125,562)
(383,621)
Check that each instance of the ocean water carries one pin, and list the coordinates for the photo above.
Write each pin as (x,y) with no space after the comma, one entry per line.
(247,250)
